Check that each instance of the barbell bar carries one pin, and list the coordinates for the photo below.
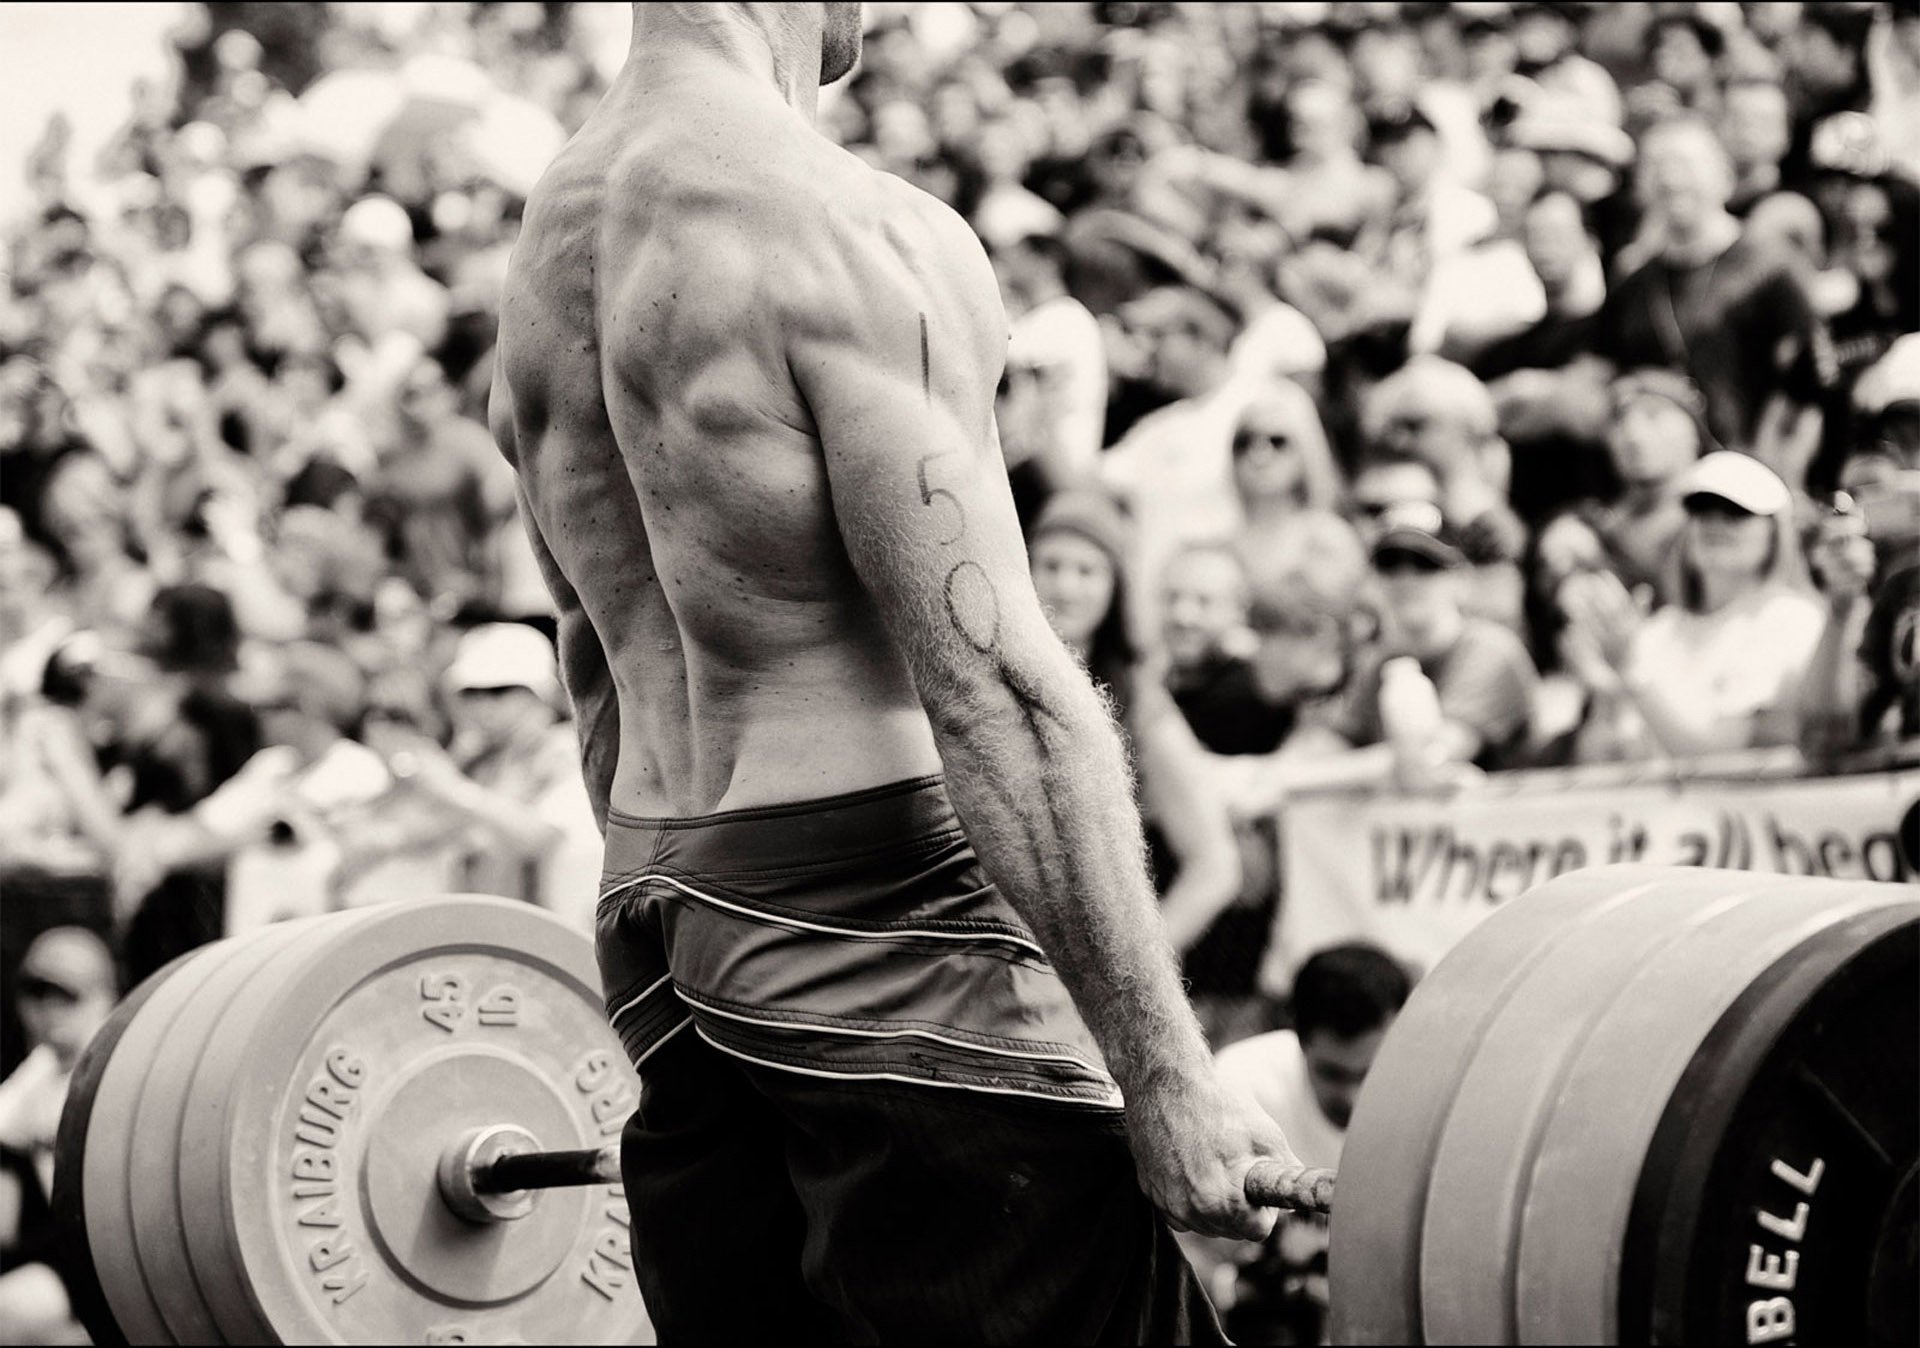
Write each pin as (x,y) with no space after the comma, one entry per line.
(1628,1107)
(489,1162)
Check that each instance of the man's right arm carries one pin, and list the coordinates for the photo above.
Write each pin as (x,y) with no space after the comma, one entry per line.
(898,370)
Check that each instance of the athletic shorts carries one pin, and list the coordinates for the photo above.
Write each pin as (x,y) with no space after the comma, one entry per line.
(869,1111)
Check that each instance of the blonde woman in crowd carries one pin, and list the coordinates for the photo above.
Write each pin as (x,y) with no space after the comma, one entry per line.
(1288,484)
(1718,669)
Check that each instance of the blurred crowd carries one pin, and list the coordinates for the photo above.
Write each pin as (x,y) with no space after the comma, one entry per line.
(1395,393)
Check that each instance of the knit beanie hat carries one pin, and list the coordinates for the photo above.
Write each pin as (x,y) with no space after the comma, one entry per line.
(1094,516)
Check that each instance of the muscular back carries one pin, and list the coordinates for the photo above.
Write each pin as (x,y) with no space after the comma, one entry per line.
(748,386)
(714,632)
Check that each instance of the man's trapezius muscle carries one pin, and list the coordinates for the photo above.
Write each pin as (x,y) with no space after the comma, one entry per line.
(747,383)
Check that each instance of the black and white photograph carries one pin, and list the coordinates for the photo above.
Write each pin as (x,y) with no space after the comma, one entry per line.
(972,671)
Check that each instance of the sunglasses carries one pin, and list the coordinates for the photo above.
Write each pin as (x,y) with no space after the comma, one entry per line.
(1703,506)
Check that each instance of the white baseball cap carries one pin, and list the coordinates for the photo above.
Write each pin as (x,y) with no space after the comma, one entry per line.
(504,655)
(1739,478)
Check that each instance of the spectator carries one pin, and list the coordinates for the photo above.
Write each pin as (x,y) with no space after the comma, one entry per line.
(1077,554)
(272,827)
(1480,671)
(1862,674)
(1482,691)
(1893,76)
(32,623)
(83,510)
(1331,192)
(1345,999)
(1432,218)
(510,785)
(1789,227)
(1826,69)
(1544,401)
(186,736)
(1382,486)
(1546,40)
(1682,50)
(441,495)
(1715,308)
(1174,468)
(1718,668)
(1208,644)
(1756,127)
(1655,433)
(1232,707)
(1054,407)
(1488,290)
(382,292)
(395,844)
(57,817)
(1436,412)
(1875,216)
(64,991)
(1287,484)
(1586,159)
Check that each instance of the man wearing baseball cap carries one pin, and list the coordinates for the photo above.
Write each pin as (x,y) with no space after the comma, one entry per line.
(1481,677)
(511,781)
(1481,673)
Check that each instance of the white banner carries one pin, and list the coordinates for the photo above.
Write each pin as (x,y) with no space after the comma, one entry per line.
(1413,875)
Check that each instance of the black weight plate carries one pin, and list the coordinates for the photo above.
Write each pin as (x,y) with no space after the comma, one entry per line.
(70,1147)
(1807,1091)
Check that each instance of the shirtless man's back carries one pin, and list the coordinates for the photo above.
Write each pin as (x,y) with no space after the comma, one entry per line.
(867,822)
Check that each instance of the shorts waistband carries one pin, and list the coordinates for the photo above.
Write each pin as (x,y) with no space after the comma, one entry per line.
(827,830)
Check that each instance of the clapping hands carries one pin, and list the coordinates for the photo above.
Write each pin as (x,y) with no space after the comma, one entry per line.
(1603,619)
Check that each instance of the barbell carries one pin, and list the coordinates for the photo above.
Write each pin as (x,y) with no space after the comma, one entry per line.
(1634,1105)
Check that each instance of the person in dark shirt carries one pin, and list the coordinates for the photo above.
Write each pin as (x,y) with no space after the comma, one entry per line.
(1546,415)
(1826,74)
(1204,598)
(1714,307)
(195,734)
(1482,674)
(1876,242)
(1204,607)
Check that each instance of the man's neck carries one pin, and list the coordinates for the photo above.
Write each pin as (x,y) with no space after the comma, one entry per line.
(775,45)
(1702,243)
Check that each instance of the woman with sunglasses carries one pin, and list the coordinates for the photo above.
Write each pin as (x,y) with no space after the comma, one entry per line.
(1288,485)
(1719,668)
